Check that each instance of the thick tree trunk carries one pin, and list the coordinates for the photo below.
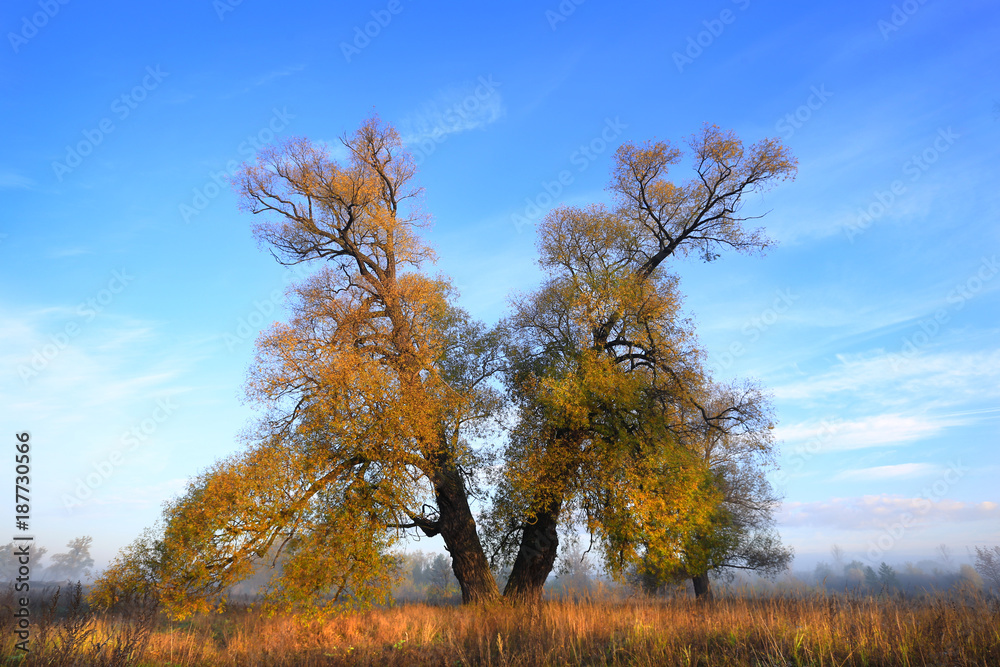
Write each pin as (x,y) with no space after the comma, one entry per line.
(458,528)
(702,586)
(535,557)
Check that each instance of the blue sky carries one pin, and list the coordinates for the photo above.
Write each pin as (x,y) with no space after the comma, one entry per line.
(132,288)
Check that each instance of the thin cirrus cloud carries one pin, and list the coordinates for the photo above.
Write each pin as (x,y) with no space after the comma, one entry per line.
(278,73)
(872,431)
(10,180)
(894,377)
(460,109)
(92,363)
(136,495)
(877,511)
(898,471)
(76,251)
(265,79)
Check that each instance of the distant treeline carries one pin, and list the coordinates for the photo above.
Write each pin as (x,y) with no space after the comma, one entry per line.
(71,565)
(428,577)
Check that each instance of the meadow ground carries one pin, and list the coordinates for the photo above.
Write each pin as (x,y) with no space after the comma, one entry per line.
(813,629)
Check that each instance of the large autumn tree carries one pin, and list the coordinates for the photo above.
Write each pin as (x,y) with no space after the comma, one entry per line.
(376,387)
(370,391)
(608,378)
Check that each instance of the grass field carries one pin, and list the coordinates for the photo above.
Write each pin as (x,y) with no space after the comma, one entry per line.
(797,630)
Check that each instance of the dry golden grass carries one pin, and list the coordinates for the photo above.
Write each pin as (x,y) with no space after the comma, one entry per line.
(771,631)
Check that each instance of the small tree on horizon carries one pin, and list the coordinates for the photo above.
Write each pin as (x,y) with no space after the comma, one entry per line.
(987,564)
(887,576)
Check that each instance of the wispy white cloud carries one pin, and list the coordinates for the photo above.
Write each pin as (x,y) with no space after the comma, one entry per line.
(458,109)
(898,471)
(872,431)
(985,413)
(278,73)
(834,317)
(266,78)
(13,180)
(179,98)
(928,378)
(110,408)
(76,251)
(139,495)
(878,511)
(101,372)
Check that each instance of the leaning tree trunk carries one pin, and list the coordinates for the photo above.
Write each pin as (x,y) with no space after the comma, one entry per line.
(457,527)
(535,556)
(702,586)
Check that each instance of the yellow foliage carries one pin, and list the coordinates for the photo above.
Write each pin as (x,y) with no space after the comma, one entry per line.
(374,386)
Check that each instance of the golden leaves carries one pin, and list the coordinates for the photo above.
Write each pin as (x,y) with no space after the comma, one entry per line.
(371,387)
(364,211)
(701,215)
(356,409)
(611,380)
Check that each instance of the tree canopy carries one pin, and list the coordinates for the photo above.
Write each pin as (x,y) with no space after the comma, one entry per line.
(386,409)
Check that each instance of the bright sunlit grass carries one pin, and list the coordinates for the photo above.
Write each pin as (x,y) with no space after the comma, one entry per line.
(961,630)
